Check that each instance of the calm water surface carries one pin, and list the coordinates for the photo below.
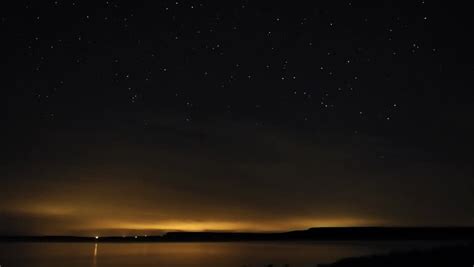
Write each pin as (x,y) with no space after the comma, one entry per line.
(223,254)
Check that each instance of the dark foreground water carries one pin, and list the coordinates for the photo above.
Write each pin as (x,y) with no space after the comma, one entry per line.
(223,254)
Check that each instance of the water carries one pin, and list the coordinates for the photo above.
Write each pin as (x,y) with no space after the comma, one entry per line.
(223,254)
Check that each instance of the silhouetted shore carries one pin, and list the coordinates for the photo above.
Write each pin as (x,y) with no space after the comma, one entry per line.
(443,256)
(317,234)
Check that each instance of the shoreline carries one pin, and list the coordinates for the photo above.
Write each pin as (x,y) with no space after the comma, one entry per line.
(456,255)
(312,234)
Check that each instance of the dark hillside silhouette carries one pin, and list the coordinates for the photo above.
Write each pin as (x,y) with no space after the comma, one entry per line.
(348,233)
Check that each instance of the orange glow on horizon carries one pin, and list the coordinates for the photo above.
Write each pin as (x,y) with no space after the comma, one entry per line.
(129,222)
(197,226)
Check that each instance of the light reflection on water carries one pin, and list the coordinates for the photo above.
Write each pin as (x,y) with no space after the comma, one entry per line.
(94,261)
(224,254)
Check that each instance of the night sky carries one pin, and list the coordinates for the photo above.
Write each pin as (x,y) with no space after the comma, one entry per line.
(127,117)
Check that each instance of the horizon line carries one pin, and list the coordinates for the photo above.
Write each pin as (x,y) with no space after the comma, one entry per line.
(210,231)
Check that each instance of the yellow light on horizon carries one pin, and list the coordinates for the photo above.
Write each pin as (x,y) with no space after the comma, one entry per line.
(284,225)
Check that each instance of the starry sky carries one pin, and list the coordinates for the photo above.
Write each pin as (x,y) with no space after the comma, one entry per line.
(127,117)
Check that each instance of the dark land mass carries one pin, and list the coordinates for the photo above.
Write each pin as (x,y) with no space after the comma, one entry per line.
(322,234)
(437,257)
